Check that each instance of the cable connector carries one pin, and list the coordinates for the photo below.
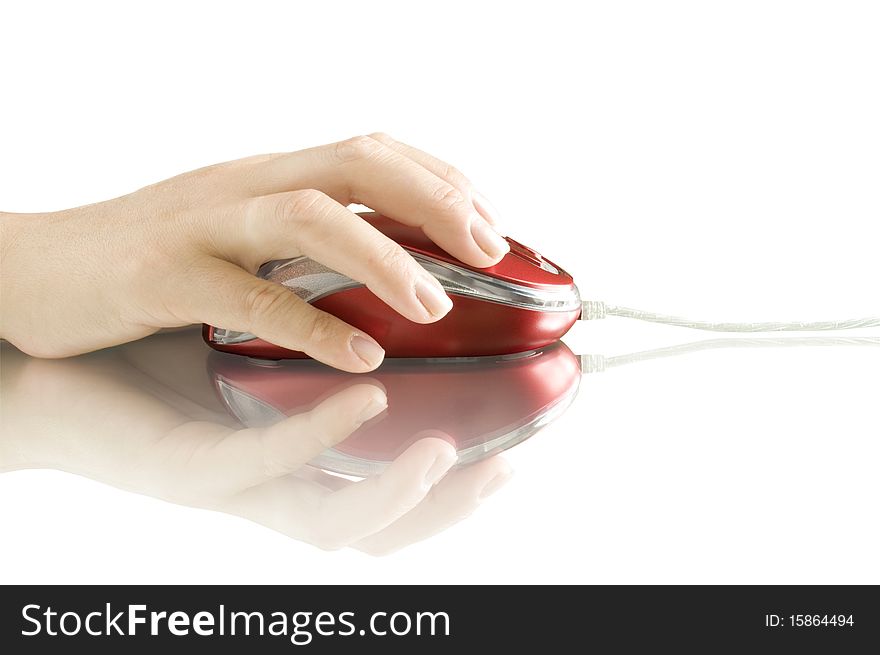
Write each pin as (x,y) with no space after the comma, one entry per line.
(592,310)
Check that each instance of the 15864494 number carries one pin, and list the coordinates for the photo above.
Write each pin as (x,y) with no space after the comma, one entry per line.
(820,620)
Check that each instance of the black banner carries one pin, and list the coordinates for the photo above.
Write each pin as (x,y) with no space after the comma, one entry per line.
(433,619)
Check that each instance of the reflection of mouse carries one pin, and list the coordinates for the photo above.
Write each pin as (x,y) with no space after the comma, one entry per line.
(482,406)
(522,303)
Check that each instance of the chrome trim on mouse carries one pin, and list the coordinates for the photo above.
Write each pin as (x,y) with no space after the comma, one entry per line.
(312,281)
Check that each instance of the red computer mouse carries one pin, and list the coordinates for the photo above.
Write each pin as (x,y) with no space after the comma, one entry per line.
(482,405)
(522,303)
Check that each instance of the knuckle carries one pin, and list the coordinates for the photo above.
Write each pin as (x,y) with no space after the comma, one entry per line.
(448,198)
(381,137)
(319,327)
(265,302)
(392,260)
(300,206)
(452,174)
(357,148)
(301,209)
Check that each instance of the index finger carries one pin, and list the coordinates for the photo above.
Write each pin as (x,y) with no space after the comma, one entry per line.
(365,171)
(446,171)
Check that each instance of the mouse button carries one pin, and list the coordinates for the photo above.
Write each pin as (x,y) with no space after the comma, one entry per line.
(531,256)
(522,250)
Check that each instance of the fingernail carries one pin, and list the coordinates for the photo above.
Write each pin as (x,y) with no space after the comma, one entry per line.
(439,468)
(374,407)
(490,242)
(433,298)
(367,349)
(487,210)
(494,485)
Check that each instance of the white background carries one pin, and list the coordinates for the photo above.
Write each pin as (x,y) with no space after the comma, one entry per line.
(711,159)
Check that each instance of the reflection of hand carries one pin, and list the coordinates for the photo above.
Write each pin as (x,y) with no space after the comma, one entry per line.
(184,251)
(402,505)
(100,416)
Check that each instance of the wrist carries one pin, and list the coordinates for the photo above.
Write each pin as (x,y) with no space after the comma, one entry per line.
(11,243)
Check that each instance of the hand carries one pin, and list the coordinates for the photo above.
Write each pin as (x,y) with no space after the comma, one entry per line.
(185,251)
(144,417)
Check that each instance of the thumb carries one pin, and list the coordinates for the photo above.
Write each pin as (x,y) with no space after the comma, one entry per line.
(231,298)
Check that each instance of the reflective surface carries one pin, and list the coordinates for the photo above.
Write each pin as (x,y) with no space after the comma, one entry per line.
(784,449)
(167,417)
(480,405)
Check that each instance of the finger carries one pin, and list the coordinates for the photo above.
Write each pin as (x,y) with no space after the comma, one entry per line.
(365,171)
(220,293)
(445,171)
(453,499)
(354,512)
(254,456)
(321,478)
(317,226)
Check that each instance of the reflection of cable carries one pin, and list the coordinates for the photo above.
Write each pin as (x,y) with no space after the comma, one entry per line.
(595,309)
(599,363)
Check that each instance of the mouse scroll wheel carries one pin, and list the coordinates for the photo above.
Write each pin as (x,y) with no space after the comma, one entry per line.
(524,252)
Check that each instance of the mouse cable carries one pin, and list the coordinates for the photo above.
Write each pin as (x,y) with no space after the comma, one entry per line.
(600,363)
(595,309)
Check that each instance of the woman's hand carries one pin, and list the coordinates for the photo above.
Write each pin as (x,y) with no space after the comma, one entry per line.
(185,251)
